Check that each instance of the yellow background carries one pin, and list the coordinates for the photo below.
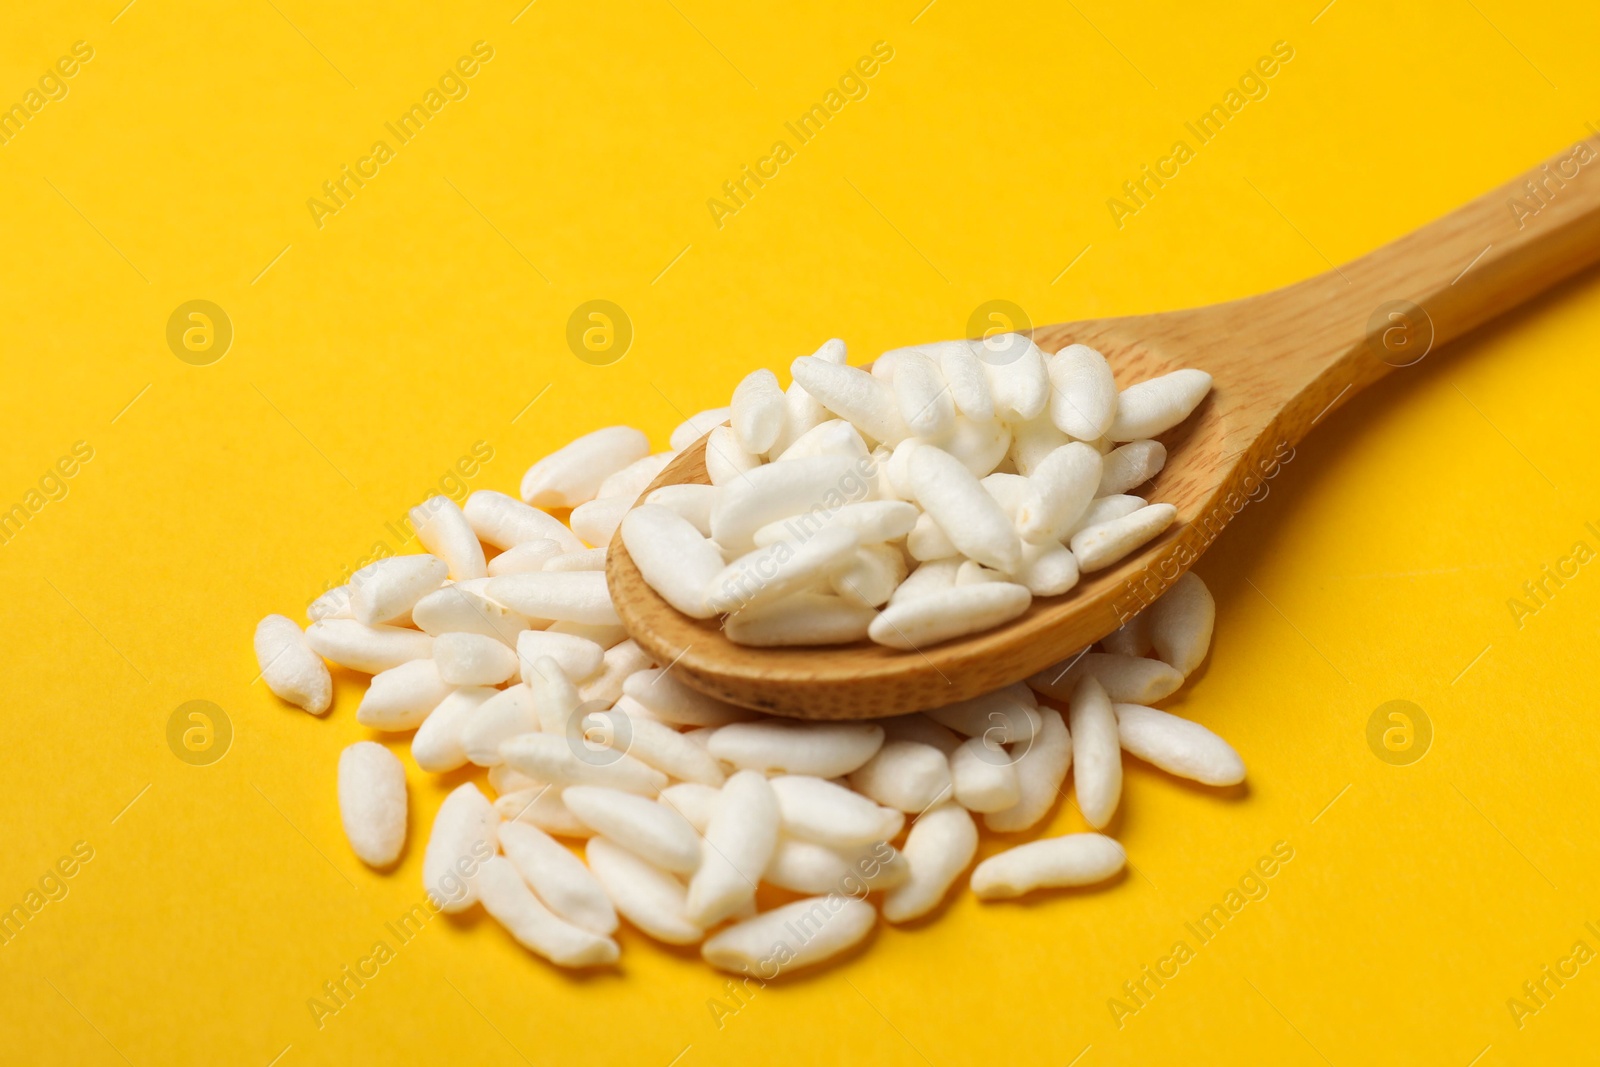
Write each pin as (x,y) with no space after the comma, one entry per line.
(370,354)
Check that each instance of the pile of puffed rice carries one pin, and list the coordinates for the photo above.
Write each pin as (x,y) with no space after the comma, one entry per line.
(500,647)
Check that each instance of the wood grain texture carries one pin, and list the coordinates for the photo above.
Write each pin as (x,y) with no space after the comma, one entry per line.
(1281,362)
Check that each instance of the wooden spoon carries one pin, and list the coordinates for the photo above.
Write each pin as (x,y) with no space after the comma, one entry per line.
(1281,362)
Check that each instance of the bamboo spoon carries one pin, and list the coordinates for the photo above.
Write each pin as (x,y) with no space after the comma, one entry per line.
(1281,362)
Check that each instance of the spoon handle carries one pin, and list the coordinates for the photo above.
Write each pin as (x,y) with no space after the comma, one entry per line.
(1483,259)
(1319,342)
